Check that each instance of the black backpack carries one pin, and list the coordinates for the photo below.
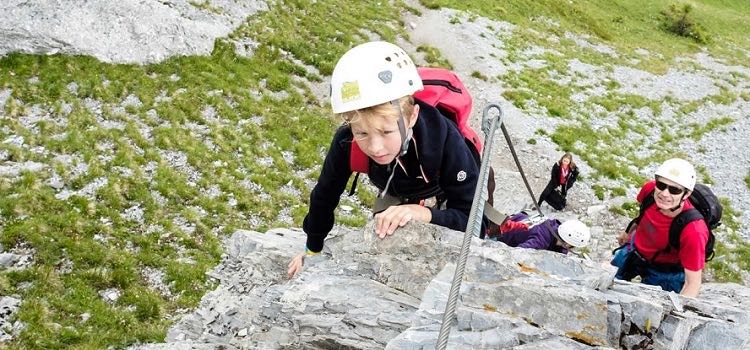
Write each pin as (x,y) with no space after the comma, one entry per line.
(706,206)
(556,200)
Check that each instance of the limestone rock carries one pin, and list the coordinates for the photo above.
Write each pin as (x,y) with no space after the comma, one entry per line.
(369,293)
(127,31)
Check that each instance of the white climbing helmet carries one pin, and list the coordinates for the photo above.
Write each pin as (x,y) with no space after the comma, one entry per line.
(679,171)
(575,233)
(370,74)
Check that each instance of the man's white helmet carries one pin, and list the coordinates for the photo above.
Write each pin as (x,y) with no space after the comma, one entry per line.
(370,74)
(679,171)
(575,233)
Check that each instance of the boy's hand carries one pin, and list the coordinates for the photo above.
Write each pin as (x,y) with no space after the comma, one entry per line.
(399,215)
(295,265)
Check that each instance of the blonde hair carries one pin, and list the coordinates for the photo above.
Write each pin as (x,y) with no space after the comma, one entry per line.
(383,110)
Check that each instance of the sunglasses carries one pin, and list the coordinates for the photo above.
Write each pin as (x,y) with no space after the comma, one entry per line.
(672,189)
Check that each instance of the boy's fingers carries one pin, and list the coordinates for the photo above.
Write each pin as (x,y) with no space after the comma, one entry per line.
(378,222)
(295,264)
(404,220)
(384,221)
(395,223)
(392,227)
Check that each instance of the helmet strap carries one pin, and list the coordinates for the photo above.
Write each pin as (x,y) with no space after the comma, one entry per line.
(405,133)
(682,199)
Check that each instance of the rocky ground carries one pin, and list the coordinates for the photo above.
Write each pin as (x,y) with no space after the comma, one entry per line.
(724,152)
(106,31)
(397,289)
(727,158)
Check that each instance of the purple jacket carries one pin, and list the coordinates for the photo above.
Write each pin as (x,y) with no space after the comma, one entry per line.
(540,236)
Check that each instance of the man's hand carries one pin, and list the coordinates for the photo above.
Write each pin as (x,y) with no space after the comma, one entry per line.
(692,283)
(295,265)
(622,238)
(397,216)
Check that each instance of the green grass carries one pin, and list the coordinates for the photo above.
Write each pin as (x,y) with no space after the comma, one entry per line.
(625,25)
(697,131)
(732,251)
(206,6)
(704,176)
(479,75)
(433,57)
(232,120)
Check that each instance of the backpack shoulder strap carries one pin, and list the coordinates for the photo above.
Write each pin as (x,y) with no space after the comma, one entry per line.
(359,163)
(647,202)
(679,223)
(358,160)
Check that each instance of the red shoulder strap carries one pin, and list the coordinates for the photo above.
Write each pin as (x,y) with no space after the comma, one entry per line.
(358,160)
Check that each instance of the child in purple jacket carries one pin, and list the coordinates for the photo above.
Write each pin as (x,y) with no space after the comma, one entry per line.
(549,234)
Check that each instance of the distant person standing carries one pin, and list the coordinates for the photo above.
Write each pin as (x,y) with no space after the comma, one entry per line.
(563,176)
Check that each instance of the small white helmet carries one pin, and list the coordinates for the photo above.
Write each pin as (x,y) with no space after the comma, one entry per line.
(370,74)
(575,233)
(679,171)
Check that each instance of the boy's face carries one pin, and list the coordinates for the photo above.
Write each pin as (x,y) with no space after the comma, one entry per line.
(379,137)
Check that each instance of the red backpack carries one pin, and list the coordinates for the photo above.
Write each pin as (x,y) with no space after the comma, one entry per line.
(444,91)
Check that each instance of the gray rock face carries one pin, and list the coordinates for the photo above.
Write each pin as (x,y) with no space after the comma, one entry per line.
(127,31)
(368,293)
(8,307)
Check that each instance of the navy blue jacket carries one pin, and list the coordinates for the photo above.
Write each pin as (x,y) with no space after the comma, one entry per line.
(541,236)
(447,161)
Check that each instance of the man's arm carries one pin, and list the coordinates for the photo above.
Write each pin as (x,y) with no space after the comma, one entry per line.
(692,283)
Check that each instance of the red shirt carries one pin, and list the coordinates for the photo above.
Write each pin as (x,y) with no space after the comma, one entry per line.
(564,170)
(652,236)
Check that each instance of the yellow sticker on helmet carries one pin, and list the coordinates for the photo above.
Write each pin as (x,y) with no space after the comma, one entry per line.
(349,91)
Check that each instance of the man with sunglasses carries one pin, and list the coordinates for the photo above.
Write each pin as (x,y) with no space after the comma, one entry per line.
(645,249)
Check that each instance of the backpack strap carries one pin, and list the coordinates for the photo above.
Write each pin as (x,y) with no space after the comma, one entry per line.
(359,163)
(358,160)
(647,202)
(675,230)
(679,223)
